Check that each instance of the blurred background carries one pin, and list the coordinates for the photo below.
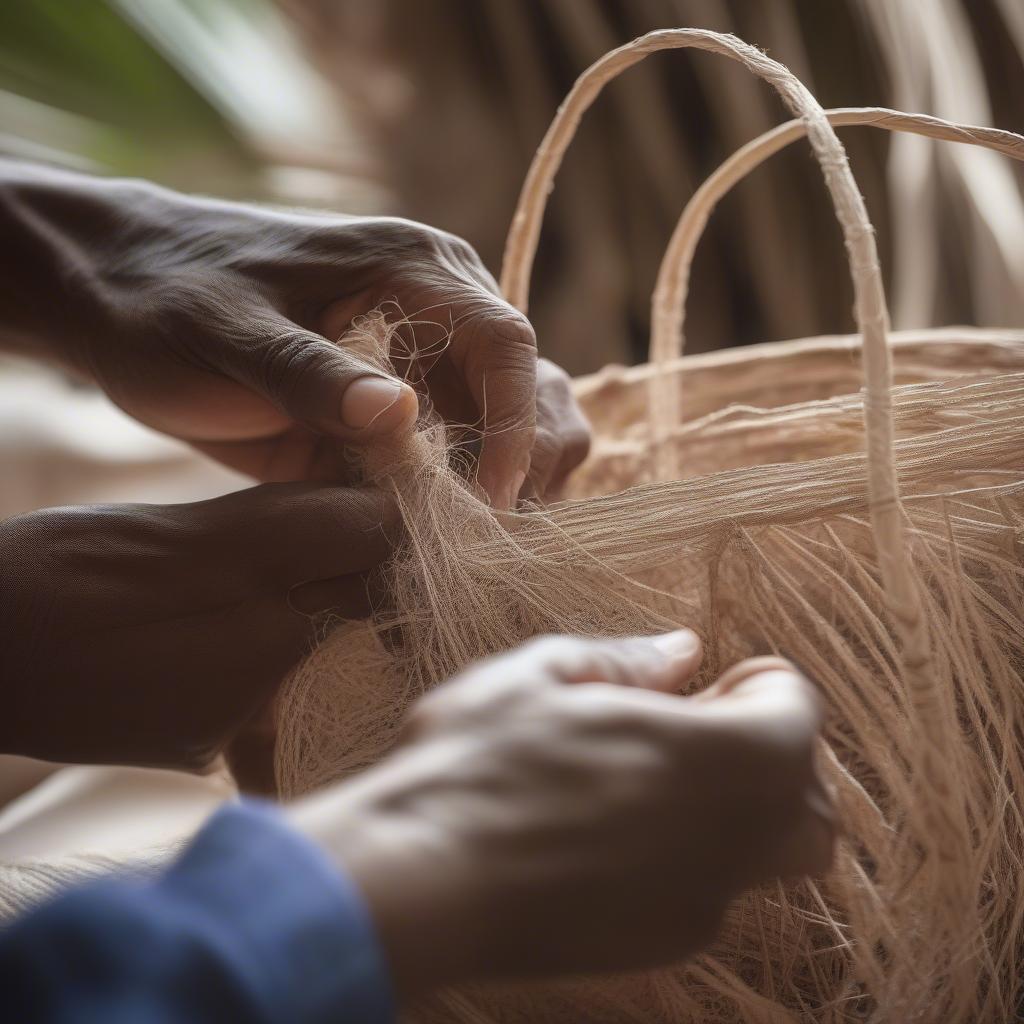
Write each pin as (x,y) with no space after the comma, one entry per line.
(432,109)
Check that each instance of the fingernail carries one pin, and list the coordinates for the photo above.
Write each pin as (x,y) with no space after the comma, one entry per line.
(374,404)
(683,643)
(746,670)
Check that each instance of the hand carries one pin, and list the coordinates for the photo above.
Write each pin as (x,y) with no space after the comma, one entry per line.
(158,634)
(540,821)
(216,323)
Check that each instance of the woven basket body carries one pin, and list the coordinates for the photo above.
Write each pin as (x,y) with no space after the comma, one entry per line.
(854,504)
(728,396)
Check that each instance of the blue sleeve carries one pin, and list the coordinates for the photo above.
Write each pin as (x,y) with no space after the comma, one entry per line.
(251,923)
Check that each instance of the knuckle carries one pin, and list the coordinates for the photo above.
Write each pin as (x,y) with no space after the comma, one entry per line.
(287,361)
(614,664)
(422,245)
(545,454)
(576,442)
(512,328)
(499,327)
(459,248)
(488,694)
(549,648)
(423,239)
(386,248)
(546,644)
(639,655)
(630,725)
(550,375)
(497,341)
(397,233)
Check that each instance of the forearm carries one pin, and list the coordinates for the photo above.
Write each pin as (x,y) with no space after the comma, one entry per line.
(52,222)
(410,875)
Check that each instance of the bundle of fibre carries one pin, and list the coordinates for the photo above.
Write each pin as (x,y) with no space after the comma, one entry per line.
(892,571)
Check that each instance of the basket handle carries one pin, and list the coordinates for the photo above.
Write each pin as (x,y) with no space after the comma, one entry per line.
(871,311)
(668,305)
(887,519)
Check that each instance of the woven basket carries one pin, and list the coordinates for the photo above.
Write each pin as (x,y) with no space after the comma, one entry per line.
(874,536)
(726,397)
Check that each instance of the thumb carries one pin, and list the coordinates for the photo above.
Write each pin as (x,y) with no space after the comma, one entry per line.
(323,386)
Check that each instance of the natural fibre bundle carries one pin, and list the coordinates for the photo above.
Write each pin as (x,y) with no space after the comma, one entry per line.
(892,571)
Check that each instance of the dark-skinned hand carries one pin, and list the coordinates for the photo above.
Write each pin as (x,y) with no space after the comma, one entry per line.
(549,812)
(159,634)
(217,323)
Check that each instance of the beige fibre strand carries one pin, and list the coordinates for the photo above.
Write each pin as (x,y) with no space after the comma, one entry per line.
(874,537)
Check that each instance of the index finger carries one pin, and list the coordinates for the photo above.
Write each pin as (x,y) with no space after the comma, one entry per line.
(299,532)
(665,661)
(494,348)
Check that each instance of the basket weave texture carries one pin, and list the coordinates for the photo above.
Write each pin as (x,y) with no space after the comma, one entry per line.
(856,505)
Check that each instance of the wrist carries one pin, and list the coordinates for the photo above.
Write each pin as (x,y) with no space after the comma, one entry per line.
(409,874)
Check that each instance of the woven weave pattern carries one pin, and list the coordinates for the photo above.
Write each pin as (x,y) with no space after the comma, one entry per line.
(876,539)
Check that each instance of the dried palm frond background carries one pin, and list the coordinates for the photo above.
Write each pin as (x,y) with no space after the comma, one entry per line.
(455,95)
(214,97)
(433,109)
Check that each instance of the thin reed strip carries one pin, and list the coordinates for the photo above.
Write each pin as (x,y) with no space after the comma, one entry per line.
(668,304)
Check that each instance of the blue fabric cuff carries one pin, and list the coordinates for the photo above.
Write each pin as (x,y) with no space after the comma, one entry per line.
(297,926)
